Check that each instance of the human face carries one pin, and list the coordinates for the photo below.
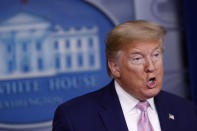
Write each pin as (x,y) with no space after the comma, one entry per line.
(139,69)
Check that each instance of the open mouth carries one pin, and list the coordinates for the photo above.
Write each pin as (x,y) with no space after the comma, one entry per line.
(151,79)
(151,82)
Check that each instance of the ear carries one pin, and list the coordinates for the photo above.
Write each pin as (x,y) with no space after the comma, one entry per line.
(114,67)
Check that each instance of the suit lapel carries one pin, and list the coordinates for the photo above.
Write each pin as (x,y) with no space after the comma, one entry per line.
(111,113)
(166,115)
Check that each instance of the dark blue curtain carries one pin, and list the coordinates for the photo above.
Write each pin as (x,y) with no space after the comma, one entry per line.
(190,20)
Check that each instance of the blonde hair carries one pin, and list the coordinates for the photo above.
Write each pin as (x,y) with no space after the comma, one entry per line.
(131,31)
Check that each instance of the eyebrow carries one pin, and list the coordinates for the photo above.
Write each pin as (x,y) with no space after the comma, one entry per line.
(156,48)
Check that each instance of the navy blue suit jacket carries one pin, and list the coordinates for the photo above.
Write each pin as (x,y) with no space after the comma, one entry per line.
(101,111)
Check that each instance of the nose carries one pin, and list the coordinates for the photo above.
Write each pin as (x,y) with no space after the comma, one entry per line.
(149,66)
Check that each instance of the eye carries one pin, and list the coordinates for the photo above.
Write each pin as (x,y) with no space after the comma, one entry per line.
(137,60)
(156,55)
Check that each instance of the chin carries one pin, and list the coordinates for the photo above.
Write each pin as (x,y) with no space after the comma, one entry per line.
(152,93)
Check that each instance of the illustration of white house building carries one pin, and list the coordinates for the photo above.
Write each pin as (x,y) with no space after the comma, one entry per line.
(31,46)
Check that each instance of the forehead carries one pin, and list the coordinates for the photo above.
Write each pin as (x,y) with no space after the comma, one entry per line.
(142,46)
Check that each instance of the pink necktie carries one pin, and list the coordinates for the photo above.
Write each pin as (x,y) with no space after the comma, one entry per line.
(143,122)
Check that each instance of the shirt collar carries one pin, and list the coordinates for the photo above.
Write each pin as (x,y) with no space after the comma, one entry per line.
(127,101)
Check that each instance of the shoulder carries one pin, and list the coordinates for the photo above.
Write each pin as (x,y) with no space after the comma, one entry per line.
(184,112)
(75,110)
(175,101)
(88,101)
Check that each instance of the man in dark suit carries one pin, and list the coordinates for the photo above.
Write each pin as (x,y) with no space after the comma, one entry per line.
(133,101)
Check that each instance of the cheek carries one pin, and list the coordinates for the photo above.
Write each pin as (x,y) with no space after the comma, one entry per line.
(159,65)
(136,72)
(160,71)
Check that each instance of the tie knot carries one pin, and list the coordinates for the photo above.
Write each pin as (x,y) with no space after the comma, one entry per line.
(143,105)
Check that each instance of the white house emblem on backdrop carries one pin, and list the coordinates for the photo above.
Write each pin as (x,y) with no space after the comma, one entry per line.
(30,46)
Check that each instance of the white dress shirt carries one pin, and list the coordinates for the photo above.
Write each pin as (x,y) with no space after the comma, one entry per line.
(132,114)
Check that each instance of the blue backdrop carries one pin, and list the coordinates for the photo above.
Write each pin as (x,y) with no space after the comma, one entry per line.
(50,51)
